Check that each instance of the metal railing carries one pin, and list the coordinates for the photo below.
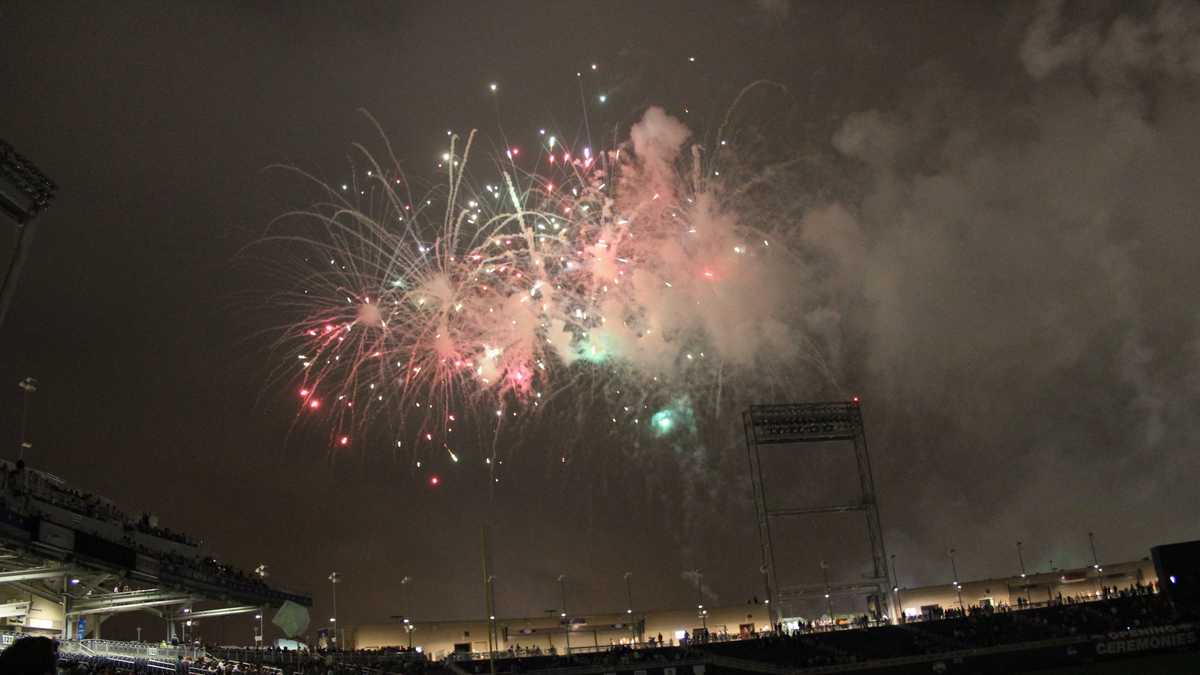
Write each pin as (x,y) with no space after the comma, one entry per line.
(131,650)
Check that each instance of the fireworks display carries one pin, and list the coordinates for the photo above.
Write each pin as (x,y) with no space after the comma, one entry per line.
(653,270)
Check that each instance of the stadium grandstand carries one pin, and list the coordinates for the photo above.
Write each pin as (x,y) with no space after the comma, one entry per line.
(1094,617)
(543,634)
(69,560)
(1133,630)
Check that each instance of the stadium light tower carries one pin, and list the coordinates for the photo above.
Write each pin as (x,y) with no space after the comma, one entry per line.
(24,193)
(703,613)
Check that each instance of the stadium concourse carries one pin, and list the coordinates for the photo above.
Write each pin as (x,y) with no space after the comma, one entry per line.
(69,560)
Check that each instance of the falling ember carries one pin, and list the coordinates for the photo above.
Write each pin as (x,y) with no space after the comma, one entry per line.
(344,441)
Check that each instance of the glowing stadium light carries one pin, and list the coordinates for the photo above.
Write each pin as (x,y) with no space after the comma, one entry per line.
(74,582)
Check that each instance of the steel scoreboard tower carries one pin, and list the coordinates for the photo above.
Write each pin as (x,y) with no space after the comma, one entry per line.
(797,424)
(24,193)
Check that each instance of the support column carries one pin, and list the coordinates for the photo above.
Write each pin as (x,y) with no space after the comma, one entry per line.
(65,601)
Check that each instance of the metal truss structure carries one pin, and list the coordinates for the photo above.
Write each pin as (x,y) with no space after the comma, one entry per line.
(797,424)
(24,190)
(24,193)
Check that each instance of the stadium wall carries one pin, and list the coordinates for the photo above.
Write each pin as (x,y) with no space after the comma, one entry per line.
(440,638)
(1037,589)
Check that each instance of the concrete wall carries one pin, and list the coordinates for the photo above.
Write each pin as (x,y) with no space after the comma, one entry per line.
(45,617)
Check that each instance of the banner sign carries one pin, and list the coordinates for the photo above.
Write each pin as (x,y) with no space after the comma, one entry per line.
(1147,639)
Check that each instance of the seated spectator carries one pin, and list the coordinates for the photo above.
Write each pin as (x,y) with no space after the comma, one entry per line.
(30,656)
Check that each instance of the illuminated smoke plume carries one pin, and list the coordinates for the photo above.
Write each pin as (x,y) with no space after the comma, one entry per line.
(653,266)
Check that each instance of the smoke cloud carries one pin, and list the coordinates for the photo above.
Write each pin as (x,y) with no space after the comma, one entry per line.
(1019,285)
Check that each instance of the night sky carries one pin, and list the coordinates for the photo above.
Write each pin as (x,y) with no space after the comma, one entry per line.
(1002,215)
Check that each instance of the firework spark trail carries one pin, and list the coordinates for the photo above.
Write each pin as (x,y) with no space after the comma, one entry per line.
(641,264)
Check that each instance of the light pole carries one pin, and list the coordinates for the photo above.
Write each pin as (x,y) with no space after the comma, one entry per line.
(334,579)
(629,606)
(828,594)
(139,630)
(957,586)
(1095,561)
(493,635)
(700,600)
(896,590)
(28,385)
(562,589)
(408,626)
(1024,576)
(259,637)
(767,590)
